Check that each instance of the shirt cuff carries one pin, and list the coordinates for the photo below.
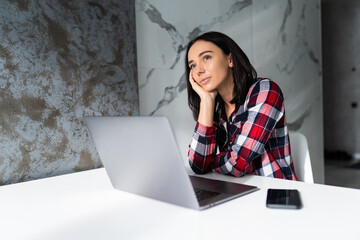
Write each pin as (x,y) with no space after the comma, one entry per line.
(205,130)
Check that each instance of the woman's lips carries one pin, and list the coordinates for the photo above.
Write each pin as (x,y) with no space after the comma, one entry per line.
(204,81)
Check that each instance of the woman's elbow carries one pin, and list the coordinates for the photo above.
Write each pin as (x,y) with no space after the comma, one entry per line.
(197,169)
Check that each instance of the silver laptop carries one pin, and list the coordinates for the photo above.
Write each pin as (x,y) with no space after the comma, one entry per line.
(141,156)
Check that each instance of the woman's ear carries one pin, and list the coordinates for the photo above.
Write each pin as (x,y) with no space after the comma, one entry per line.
(230,60)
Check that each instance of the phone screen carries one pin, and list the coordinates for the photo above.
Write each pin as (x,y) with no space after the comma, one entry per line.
(283,198)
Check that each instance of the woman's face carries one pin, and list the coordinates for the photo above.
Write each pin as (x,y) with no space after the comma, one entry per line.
(209,66)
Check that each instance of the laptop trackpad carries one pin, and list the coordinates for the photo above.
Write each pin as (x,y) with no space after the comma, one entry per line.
(225,190)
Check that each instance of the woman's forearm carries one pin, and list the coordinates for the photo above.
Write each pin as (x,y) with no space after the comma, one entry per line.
(206,113)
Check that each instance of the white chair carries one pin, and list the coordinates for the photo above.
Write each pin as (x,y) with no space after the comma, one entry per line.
(301,157)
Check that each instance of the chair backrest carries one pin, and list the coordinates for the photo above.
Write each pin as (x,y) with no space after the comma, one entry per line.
(301,157)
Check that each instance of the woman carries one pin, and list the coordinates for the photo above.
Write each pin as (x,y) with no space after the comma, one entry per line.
(241,125)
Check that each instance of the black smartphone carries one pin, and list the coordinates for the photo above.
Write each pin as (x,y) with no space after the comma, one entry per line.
(283,198)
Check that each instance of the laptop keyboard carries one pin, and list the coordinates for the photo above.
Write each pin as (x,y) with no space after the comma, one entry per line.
(202,194)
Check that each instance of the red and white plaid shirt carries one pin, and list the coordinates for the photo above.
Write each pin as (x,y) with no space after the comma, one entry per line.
(254,141)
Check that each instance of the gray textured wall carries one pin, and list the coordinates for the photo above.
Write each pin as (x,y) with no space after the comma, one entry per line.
(59,61)
(341,47)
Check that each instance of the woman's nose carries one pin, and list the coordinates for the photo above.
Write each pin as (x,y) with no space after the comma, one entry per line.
(200,69)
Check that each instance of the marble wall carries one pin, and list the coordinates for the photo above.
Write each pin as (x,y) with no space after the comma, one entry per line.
(341,47)
(61,60)
(282,38)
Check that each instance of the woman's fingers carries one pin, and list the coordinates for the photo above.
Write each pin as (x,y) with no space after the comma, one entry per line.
(196,87)
(200,90)
(193,83)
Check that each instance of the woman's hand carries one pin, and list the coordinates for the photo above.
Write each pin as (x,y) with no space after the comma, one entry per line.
(203,94)
(207,102)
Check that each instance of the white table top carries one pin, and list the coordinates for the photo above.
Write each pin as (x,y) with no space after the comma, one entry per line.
(85,206)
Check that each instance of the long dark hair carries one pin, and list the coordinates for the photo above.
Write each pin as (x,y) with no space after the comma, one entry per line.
(243,72)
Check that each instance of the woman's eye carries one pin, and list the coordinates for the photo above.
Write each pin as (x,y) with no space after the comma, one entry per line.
(191,66)
(207,58)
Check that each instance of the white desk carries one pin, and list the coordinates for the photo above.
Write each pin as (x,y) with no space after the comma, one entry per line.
(85,206)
